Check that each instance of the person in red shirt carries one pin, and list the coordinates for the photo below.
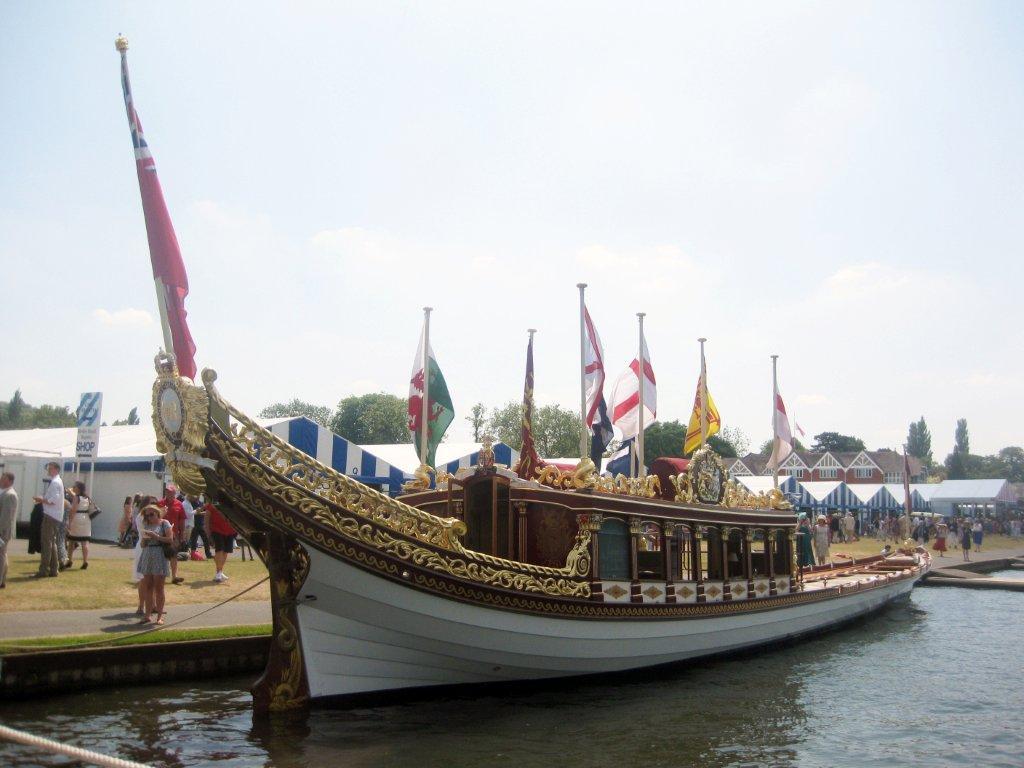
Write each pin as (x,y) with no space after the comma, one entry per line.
(223,535)
(174,513)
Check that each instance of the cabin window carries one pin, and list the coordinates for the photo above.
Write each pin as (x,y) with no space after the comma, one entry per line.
(613,542)
(734,552)
(712,547)
(758,561)
(650,562)
(781,553)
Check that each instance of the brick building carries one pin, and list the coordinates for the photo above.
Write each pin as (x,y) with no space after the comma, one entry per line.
(884,466)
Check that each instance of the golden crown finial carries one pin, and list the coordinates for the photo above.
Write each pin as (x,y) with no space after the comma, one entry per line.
(121,43)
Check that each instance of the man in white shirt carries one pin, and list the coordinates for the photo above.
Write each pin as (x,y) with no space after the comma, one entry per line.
(53,517)
(8,519)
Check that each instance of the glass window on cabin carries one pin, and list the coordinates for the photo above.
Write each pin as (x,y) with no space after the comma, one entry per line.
(613,543)
(650,562)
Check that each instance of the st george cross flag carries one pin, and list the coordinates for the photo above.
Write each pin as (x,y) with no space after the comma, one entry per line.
(168,267)
(626,397)
(798,427)
(714,421)
(593,377)
(782,444)
(439,406)
(528,459)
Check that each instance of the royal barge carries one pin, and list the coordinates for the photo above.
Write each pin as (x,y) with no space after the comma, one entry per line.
(489,578)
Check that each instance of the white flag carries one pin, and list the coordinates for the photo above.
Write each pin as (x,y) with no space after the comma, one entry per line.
(626,397)
(782,445)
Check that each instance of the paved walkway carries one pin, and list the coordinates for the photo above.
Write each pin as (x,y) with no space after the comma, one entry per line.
(114,620)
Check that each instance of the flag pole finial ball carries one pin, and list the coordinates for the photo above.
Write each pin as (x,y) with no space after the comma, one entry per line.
(121,43)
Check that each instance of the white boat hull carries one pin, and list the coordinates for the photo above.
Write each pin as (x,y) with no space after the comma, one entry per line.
(363,634)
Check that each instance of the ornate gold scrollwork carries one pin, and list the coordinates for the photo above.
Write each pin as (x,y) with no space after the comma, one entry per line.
(707,475)
(420,481)
(180,414)
(582,476)
(300,483)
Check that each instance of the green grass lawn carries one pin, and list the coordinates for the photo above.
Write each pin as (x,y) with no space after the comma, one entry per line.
(162,636)
(107,584)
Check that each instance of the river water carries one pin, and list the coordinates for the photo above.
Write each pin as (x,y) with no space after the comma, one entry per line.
(934,681)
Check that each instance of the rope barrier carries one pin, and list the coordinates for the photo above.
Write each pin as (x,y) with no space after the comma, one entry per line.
(149,630)
(77,753)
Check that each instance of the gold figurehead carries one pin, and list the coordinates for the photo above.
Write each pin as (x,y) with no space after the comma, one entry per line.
(180,412)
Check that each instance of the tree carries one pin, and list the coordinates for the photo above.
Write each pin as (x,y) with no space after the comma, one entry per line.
(506,424)
(766,446)
(16,410)
(961,439)
(321,414)
(721,446)
(959,464)
(556,431)
(133,418)
(50,416)
(664,439)
(834,441)
(478,418)
(919,441)
(377,418)
(1012,459)
(737,438)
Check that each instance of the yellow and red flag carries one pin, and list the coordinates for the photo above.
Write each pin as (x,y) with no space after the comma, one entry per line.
(712,420)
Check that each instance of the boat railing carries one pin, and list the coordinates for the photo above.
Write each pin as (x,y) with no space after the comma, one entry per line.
(299,469)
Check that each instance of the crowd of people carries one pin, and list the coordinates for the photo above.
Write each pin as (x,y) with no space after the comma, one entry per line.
(959,532)
(160,531)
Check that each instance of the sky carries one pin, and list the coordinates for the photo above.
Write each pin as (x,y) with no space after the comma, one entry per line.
(840,184)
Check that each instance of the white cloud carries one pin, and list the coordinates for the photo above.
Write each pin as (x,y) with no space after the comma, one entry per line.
(123,318)
(356,245)
(813,399)
(657,269)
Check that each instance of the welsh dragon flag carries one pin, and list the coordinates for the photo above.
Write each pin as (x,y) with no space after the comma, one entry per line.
(439,406)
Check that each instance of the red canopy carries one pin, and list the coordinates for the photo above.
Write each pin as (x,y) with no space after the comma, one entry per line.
(663,468)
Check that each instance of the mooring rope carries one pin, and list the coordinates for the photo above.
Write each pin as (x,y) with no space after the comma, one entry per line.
(77,753)
(154,628)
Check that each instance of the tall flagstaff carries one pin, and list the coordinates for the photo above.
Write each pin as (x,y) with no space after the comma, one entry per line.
(583,373)
(775,421)
(425,407)
(703,395)
(169,277)
(641,375)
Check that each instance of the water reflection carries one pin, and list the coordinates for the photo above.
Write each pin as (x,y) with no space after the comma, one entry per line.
(891,685)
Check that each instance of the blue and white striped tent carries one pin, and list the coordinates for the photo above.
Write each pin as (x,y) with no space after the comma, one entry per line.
(387,466)
(828,494)
(874,496)
(758,483)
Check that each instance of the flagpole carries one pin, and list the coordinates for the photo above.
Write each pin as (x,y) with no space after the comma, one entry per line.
(703,395)
(583,382)
(121,45)
(642,373)
(425,407)
(775,423)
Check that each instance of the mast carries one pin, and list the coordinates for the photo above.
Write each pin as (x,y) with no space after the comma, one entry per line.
(583,372)
(642,374)
(425,407)
(775,423)
(703,395)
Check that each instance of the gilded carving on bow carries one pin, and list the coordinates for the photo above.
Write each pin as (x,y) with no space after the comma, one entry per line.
(583,475)
(737,496)
(683,488)
(420,481)
(180,413)
(255,443)
(458,562)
